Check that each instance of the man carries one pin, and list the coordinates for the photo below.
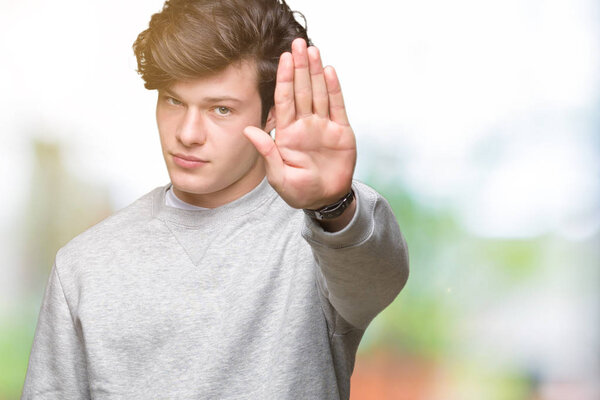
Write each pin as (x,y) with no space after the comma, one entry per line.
(218,285)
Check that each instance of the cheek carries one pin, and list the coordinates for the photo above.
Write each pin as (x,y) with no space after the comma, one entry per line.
(160,119)
(239,149)
(162,136)
(166,124)
(238,155)
(230,138)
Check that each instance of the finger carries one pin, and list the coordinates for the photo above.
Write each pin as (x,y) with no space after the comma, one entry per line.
(285,112)
(337,110)
(320,100)
(302,86)
(268,150)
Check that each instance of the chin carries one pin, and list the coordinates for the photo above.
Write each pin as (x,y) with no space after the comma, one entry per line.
(193,184)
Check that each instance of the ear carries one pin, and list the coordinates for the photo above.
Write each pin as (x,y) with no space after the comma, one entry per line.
(271,122)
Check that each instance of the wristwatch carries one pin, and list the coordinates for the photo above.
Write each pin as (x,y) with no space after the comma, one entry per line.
(333,210)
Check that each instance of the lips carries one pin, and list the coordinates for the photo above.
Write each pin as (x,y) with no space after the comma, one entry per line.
(188,158)
(187,161)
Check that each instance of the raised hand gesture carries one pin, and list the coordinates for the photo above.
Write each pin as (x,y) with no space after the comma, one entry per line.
(311,161)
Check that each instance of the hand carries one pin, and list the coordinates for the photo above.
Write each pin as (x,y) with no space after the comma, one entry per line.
(311,161)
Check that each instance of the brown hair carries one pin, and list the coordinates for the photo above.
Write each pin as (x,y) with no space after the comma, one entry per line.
(190,39)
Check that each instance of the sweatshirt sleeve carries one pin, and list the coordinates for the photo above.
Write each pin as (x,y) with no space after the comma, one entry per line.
(57,366)
(363,267)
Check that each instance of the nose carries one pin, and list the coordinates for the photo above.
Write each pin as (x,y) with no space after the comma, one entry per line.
(191,129)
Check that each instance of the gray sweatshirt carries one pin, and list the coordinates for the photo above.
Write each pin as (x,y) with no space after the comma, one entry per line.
(251,300)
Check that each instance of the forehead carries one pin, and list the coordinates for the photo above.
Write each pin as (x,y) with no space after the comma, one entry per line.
(237,80)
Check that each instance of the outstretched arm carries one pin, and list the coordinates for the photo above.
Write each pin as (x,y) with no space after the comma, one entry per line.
(311,161)
(362,255)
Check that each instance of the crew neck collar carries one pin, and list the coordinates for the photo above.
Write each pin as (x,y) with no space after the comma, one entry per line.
(249,202)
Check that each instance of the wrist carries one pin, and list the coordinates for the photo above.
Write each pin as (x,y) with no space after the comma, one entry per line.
(340,222)
(332,211)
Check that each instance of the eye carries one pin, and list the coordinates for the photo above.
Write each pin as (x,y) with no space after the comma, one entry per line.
(222,111)
(173,102)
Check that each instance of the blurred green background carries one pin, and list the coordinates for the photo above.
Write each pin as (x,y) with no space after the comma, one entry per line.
(478,121)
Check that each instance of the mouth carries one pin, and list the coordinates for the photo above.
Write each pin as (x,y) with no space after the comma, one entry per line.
(187,161)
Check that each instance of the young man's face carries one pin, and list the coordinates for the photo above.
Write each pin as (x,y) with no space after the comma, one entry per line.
(210,161)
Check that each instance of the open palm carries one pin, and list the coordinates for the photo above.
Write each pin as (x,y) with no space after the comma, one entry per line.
(311,161)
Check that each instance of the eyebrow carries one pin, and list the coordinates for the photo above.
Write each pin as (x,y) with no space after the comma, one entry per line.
(216,99)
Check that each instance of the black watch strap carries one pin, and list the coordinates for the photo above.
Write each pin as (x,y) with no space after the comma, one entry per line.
(333,210)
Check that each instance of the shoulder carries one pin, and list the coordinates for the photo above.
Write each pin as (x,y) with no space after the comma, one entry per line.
(107,235)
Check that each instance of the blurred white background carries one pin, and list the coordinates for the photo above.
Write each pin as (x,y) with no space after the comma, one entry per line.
(488,108)
(429,79)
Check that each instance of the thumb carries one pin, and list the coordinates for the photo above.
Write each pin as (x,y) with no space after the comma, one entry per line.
(266,146)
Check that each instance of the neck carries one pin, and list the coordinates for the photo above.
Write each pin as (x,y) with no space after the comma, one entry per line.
(228,194)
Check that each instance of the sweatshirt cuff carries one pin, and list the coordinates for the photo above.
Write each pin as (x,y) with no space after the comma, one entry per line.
(357,231)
